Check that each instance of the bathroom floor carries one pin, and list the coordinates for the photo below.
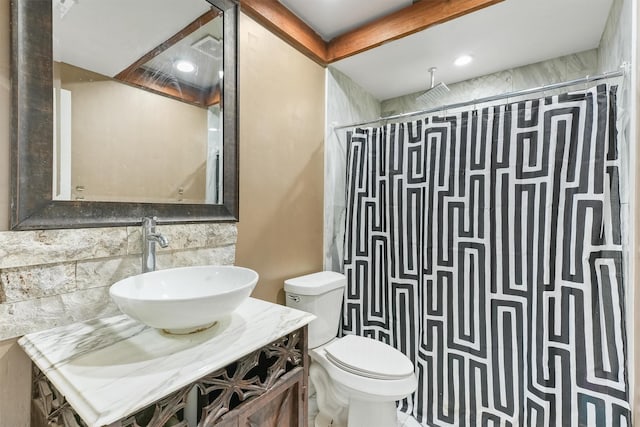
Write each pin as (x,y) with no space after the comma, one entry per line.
(404,420)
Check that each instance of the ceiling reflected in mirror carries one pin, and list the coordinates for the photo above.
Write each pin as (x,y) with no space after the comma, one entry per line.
(142,42)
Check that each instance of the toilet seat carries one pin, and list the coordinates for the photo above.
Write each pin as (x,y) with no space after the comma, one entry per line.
(368,358)
(360,386)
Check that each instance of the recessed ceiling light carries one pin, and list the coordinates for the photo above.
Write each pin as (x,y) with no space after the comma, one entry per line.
(463,60)
(185,66)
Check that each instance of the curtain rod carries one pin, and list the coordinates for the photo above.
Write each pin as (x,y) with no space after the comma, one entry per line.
(552,86)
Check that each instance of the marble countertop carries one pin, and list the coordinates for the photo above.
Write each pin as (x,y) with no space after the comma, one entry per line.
(110,368)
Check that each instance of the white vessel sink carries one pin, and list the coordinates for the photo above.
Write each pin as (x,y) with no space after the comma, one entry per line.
(184,300)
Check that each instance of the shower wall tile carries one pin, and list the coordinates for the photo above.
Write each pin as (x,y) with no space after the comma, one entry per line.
(616,49)
(616,44)
(581,64)
(403,104)
(529,76)
(481,87)
(54,277)
(539,74)
(346,103)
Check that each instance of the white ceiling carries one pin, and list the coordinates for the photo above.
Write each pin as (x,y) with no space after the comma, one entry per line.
(509,34)
(330,18)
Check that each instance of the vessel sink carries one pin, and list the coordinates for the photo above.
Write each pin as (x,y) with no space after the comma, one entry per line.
(186,299)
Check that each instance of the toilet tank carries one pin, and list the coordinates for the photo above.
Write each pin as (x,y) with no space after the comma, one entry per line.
(319,294)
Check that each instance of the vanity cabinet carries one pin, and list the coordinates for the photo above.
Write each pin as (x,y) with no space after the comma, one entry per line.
(283,405)
(116,372)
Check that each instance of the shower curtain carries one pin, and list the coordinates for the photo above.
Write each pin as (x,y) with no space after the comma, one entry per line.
(486,245)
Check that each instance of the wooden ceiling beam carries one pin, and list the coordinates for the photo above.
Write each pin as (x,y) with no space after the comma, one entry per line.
(281,21)
(417,17)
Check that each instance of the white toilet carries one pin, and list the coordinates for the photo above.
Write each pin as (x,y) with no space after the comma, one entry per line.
(357,380)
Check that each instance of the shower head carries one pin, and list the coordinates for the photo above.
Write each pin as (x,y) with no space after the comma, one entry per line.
(435,92)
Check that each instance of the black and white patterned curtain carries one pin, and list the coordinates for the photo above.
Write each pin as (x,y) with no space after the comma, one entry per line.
(486,245)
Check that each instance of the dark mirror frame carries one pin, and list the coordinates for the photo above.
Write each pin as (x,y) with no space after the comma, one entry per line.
(31,160)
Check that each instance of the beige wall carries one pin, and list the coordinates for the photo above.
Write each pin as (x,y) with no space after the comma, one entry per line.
(15,392)
(281,160)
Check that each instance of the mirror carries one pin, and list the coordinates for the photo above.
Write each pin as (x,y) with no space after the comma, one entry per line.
(108,129)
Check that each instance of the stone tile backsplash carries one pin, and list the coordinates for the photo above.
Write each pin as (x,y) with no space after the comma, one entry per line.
(54,277)
(31,282)
(24,248)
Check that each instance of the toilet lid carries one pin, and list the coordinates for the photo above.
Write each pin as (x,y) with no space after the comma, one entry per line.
(369,358)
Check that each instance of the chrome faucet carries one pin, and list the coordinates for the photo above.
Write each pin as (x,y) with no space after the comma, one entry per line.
(149,239)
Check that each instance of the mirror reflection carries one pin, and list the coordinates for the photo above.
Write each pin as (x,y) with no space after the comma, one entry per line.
(137,101)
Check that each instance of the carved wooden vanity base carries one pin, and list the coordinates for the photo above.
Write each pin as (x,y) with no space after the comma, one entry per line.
(266,388)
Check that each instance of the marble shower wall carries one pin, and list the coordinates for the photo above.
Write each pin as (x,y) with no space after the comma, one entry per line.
(615,44)
(616,48)
(55,277)
(346,102)
(529,76)
(614,51)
